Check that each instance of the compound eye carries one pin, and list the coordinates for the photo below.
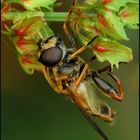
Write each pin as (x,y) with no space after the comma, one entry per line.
(51,56)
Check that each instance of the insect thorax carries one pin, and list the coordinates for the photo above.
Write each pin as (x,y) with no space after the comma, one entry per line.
(65,74)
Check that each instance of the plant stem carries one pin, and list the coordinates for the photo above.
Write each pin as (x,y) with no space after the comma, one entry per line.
(58,16)
(55,16)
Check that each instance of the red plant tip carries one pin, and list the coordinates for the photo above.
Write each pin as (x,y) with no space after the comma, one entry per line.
(124,14)
(106,1)
(25,60)
(100,48)
(25,1)
(22,31)
(20,42)
(97,30)
(102,20)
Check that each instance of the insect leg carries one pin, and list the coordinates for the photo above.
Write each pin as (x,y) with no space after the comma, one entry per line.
(45,73)
(70,38)
(119,96)
(107,88)
(82,48)
(81,75)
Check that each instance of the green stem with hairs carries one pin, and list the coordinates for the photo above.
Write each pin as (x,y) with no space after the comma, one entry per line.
(58,16)
(55,16)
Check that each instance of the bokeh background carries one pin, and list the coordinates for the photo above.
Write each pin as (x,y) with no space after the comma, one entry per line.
(31,110)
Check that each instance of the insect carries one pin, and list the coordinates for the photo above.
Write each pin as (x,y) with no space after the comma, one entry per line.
(69,75)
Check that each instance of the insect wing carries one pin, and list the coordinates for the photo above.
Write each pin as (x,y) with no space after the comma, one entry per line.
(89,100)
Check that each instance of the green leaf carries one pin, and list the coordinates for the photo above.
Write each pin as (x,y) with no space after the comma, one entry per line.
(33,4)
(44,33)
(28,27)
(111,25)
(16,16)
(29,63)
(130,14)
(115,5)
(25,46)
(111,51)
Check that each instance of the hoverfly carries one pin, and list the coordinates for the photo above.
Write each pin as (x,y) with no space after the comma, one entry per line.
(69,75)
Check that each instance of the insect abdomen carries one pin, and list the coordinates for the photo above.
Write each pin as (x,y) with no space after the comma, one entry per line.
(90,97)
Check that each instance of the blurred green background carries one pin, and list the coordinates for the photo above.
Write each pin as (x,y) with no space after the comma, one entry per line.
(31,110)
